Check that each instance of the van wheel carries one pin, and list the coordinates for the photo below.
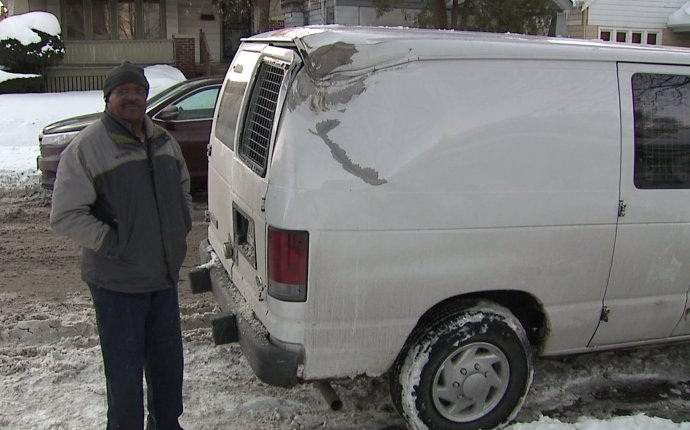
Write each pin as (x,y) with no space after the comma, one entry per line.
(469,370)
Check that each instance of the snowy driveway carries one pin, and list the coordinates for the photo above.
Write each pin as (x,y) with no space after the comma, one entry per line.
(51,373)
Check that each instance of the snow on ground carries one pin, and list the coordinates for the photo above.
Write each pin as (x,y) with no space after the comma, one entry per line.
(51,377)
(23,116)
(637,422)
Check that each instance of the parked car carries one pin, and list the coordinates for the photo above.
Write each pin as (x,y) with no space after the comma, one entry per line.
(184,109)
(444,206)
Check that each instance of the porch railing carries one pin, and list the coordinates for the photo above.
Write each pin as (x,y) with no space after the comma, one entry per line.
(108,52)
(87,62)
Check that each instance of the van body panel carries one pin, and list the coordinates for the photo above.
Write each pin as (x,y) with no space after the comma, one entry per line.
(649,284)
(364,300)
(428,165)
(404,195)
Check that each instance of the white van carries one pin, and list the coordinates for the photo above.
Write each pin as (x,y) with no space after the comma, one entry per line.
(442,206)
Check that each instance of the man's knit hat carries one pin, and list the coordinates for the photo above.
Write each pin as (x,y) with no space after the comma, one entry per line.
(125,73)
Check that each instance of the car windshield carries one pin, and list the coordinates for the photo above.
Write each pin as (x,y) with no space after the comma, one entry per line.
(156,98)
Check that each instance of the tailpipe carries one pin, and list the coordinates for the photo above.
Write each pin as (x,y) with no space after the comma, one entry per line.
(329,395)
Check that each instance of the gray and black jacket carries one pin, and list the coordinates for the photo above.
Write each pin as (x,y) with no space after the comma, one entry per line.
(126,203)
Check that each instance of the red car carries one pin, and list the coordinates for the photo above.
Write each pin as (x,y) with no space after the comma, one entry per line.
(185,110)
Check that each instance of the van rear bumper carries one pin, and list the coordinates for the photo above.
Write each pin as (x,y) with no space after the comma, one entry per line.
(272,362)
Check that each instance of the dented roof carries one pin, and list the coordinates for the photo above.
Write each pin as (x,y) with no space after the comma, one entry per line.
(328,49)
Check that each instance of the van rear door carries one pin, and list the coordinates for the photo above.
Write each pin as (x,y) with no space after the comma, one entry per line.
(241,147)
(648,285)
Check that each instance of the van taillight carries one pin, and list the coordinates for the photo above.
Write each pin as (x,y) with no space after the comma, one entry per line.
(288,260)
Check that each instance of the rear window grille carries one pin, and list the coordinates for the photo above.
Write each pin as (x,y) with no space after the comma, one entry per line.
(258,123)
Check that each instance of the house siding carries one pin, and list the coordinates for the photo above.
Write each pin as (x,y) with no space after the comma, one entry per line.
(314,12)
(361,15)
(633,14)
(189,24)
(579,27)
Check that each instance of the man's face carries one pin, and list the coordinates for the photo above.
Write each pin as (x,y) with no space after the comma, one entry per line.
(128,102)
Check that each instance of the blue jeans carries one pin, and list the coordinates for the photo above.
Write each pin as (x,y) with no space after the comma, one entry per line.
(140,333)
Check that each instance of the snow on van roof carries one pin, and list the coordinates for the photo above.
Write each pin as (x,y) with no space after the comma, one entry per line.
(349,49)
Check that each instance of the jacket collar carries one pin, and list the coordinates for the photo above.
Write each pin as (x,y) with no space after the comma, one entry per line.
(121,132)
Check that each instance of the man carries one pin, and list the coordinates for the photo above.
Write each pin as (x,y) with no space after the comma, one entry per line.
(122,193)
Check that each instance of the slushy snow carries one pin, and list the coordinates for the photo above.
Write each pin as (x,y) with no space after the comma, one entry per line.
(21,27)
(51,377)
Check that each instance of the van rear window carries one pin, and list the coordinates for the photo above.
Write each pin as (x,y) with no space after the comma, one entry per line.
(258,126)
(228,112)
(661,106)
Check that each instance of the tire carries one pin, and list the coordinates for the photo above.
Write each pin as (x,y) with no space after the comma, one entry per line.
(469,370)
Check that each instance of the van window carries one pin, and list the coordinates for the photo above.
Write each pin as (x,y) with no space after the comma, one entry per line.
(228,111)
(661,105)
(258,125)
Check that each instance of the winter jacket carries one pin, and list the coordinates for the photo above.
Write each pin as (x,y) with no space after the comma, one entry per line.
(126,203)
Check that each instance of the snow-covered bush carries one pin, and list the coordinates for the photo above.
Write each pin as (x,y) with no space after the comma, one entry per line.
(20,83)
(30,42)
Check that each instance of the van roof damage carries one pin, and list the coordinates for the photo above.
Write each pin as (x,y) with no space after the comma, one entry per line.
(354,50)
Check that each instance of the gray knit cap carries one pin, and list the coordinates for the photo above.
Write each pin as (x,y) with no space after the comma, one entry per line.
(125,73)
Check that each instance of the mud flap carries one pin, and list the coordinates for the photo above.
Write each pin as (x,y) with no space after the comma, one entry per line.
(200,280)
(224,327)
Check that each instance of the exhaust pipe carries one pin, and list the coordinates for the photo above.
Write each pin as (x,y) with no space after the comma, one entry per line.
(329,395)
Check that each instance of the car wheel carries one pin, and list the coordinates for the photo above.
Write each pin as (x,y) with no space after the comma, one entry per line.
(469,370)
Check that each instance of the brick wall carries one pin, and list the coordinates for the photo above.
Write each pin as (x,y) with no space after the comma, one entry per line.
(184,55)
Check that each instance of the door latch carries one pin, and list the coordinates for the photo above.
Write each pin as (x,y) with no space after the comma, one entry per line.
(622,206)
(605,311)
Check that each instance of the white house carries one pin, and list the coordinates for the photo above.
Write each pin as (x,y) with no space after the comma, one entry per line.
(644,22)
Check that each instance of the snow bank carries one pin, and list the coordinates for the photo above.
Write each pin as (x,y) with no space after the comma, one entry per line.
(23,116)
(6,76)
(21,27)
(162,76)
(637,422)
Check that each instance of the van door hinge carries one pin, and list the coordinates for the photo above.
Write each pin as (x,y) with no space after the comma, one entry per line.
(263,203)
(622,206)
(262,289)
(209,149)
(605,311)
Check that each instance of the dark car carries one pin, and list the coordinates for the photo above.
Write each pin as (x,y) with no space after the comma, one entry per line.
(185,110)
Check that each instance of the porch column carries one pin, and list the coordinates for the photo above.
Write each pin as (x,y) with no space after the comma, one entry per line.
(172,23)
(16,7)
(293,10)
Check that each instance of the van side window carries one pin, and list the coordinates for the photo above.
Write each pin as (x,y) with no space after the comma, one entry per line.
(661,105)
(228,111)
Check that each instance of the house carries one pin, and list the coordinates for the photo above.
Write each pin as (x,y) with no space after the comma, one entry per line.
(101,33)
(364,12)
(649,22)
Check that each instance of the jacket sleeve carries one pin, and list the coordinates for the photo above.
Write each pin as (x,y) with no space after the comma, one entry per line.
(185,179)
(73,195)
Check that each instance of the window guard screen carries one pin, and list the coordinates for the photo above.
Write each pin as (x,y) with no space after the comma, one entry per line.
(661,105)
(255,141)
